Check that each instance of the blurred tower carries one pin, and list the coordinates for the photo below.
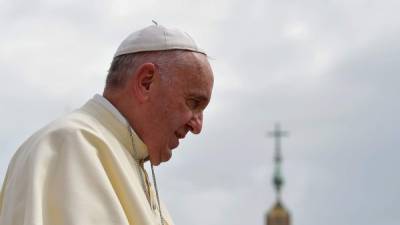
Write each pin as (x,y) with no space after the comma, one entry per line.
(278,215)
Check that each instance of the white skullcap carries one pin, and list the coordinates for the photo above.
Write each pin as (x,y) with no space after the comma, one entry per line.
(157,38)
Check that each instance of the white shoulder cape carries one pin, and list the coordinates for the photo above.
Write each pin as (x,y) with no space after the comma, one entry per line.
(79,170)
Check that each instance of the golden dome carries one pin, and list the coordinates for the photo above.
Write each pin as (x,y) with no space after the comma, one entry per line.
(278,215)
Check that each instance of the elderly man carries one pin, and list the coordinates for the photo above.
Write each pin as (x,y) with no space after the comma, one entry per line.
(87,168)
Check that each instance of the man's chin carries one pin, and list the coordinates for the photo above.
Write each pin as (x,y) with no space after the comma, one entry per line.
(154,162)
(163,157)
(167,154)
(174,145)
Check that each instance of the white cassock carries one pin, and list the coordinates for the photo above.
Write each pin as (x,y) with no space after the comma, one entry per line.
(83,169)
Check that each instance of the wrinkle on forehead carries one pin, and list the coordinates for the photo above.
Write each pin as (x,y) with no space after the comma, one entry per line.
(194,63)
(200,63)
(189,72)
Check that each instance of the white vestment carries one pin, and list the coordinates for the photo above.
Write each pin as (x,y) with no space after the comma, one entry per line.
(82,169)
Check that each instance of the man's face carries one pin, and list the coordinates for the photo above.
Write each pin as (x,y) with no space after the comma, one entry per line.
(177,108)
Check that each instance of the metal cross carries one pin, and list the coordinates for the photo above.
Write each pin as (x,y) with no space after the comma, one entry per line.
(277,133)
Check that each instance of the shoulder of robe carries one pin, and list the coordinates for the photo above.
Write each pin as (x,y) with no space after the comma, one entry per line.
(72,133)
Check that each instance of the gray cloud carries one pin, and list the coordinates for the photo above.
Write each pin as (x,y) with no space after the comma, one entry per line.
(326,70)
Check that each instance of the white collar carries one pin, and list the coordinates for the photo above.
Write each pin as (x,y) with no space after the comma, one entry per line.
(104,102)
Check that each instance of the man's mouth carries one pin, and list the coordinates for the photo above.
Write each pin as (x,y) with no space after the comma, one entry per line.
(179,135)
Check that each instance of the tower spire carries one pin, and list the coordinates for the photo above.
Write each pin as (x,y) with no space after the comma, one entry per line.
(278,215)
(278,180)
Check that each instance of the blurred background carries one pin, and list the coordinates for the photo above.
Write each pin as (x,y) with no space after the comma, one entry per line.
(328,71)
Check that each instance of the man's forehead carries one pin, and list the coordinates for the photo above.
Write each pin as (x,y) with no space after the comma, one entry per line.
(192,74)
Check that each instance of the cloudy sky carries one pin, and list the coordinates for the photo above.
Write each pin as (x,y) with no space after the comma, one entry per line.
(327,70)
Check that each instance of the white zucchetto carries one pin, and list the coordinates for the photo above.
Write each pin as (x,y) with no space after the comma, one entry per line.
(157,38)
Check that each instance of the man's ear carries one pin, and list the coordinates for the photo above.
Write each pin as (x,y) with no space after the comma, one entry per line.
(142,81)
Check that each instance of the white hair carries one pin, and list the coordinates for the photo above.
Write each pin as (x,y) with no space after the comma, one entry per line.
(124,65)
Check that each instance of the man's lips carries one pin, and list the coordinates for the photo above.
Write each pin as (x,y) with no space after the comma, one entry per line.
(180,135)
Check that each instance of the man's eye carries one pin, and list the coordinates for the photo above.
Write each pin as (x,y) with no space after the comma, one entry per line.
(193,103)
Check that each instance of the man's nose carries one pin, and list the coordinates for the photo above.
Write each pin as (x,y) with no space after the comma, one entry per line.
(195,124)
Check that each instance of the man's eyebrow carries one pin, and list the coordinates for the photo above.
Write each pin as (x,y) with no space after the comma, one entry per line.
(200,97)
